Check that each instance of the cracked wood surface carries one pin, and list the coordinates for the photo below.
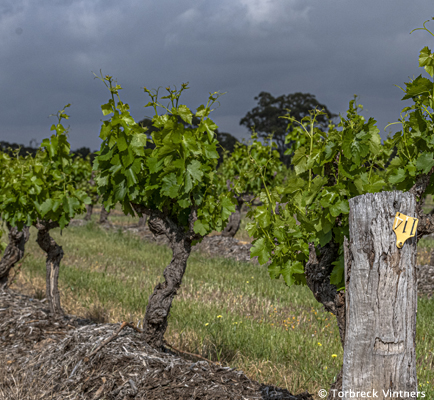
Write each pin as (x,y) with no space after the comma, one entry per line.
(381,297)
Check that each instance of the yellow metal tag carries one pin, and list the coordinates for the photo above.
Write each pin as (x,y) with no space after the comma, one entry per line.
(404,228)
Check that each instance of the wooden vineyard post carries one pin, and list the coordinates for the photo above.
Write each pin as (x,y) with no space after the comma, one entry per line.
(381,297)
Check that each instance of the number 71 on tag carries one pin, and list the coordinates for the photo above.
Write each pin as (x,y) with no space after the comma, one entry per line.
(404,228)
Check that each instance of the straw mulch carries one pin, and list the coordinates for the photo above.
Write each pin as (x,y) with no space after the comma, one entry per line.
(74,358)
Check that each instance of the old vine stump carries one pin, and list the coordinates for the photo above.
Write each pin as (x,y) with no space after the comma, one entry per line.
(381,298)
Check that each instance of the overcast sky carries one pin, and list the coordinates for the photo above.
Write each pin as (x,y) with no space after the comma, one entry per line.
(332,49)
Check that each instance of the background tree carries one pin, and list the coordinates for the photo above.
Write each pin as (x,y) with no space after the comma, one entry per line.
(266,117)
(11,148)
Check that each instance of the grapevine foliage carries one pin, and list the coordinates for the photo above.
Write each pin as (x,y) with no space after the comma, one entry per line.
(175,177)
(332,167)
(4,163)
(43,187)
(81,174)
(237,173)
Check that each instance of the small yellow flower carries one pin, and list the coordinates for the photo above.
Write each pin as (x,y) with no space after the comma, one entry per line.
(319,344)
(247,282)
(207,324)
(219,316)
(334,355)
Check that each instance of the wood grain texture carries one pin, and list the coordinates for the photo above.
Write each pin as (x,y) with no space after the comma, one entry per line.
(381,297)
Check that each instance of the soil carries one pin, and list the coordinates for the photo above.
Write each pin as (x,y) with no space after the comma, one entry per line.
(75,358)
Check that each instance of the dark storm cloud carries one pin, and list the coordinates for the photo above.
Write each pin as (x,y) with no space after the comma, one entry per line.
(332,49)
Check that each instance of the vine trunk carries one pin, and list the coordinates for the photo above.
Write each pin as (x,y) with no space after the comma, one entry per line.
(103,218)
(234,222)
(160,302)
(54,256)
(317,272)
(89,211)
(14,251)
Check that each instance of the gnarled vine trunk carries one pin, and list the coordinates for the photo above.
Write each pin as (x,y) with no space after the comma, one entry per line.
(54,256)
(103,217)
(234,222)
(142,223)
(379,351)
(160,302)
(14,251)
(89,211)
(317,273)
(89,207)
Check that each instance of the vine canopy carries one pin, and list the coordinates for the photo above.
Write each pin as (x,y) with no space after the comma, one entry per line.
(172,179)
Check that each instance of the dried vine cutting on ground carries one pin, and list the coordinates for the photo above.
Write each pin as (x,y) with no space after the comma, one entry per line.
(74,358)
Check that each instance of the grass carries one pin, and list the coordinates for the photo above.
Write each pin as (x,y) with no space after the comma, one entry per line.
(225,311)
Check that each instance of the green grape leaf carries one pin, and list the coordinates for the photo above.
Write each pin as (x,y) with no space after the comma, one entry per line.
(341,207)
(46,206)
(185,114)
(228,207)
(397,176)
(426,60)
(425,162)
(200,227)
(325,238)
(299,161)
(194,169)
(170,186)
(154,164)
(292,271)
(418,87)
(261,250)
(262,216)
(336,277)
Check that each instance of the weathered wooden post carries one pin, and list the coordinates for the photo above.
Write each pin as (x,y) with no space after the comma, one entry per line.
(381,296)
